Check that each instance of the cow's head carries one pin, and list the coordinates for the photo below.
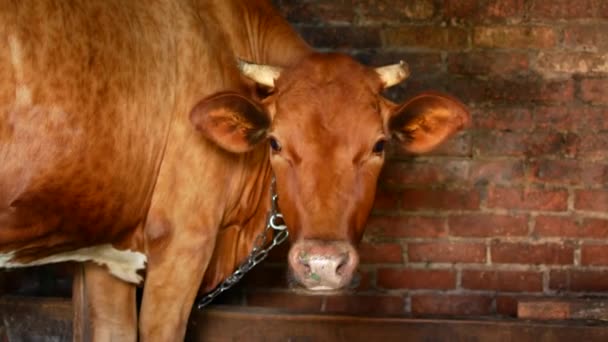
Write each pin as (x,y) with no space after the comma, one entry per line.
(326,126)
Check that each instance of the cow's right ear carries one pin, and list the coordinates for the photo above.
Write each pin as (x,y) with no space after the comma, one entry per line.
(231,120)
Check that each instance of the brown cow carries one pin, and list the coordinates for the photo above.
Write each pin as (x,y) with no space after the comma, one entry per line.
(129,138)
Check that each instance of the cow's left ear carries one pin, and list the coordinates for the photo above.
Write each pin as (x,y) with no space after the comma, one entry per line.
(231,120)
(425,121)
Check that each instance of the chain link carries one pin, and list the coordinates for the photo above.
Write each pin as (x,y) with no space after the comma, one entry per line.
(259,252)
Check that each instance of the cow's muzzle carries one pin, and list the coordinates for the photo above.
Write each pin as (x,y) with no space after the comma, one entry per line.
(323,265)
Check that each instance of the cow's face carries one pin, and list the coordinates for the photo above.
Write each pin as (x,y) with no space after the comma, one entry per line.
(326,126)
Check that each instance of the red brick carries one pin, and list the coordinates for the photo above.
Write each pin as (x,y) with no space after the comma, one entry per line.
(559,280)
(380,253)
(593,200)
(517,144)
(594,254)
(595,90)
(416,199)
(497,172)
(593,146)
(390,278)
(386,200)
(531,199)
(526,253)
(483,10)
(433,37)
(451,305)
(570,172)
(510,91)
(447,252)
(406,226)
(501,64)
(571,227)
(571,118)
(420,63)
(369,305)
(484,225)
(586,37)
(507,305)
(514,37)
(381,11)
(589,281)
(413,173)
(571,63)
(510,281)
(317,11)
(563,9)
(499,118)
(341,37)
(285,301)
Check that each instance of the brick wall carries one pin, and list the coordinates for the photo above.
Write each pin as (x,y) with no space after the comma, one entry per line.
(515,207)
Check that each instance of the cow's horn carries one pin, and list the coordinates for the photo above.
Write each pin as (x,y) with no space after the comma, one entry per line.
(393,74)
(262,74)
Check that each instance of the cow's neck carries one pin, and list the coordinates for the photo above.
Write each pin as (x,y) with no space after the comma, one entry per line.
(245,216)
(259,34)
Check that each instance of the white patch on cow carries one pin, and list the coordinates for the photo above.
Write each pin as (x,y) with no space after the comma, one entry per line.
(23,94)
(122,264)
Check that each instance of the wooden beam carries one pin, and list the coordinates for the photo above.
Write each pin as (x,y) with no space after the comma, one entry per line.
(27,319)
(247,324)
(563,309)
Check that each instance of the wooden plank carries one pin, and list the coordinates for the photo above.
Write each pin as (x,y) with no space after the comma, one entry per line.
(48,319)
(222,324)
(36,319)
(80,323)
(563,309)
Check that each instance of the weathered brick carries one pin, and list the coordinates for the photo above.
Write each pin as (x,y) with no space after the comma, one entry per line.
(510,91)
(366,304)
(406,226)
(571,118)
(323,11)
(447,252)
(487,225)
(381,11)
(548,63)
(498,64)
(519,144)
(593,146)
(589,281)
(587,37)
(390,278)
(595,90)
(510,281)
(593,200)
(503,118)
(531,199)
(451,305)
(571,227)
(522,37)
(497,172)
(594,254)
(386,200)
(432,37)
(341,37)
(563,9)
(570,172)
(483,10)
(420,199)
(285,301)
(374,253)
(527,253)
(415,173)
(559,280)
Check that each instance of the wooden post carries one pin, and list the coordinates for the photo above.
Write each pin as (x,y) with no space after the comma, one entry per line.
(80,323)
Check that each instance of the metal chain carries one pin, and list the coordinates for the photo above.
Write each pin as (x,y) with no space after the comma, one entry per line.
(274,222)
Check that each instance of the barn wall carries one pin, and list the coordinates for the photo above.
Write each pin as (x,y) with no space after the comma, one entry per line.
(516,206)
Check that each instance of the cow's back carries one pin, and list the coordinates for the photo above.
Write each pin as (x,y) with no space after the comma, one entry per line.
(87,93)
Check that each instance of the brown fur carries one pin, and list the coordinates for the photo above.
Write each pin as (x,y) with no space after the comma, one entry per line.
(99,142)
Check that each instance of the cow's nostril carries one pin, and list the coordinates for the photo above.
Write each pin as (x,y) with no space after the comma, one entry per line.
(342,264)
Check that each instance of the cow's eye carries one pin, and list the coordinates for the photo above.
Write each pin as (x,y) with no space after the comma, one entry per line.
(379,146)
(274,145)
